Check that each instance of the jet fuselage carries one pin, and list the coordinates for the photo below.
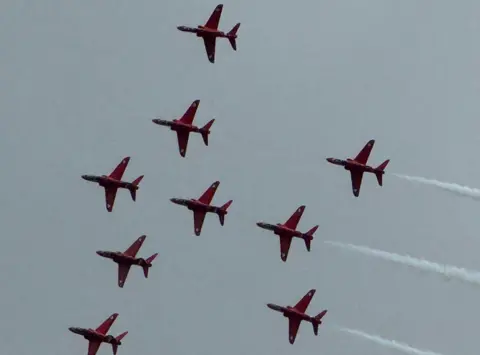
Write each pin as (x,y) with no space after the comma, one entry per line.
(280,229)
(289,312)
(176,125)
(350,164)
(121,258)
(193,205)
(88,334)
(106,181)
(202,31)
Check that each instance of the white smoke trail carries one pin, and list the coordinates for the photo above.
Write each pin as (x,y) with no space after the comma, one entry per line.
(448,271)
(389,343)
(455,188)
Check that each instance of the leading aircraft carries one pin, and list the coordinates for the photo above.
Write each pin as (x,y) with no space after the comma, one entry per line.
(113,182)
(98,336)
(287,231)
(184,127)
(296,315)
(209,33)
(358,166)
(126,259)
(202,206)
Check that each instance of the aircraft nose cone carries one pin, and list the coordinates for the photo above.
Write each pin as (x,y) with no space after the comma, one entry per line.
(329,160)
(100,253)
(84,177)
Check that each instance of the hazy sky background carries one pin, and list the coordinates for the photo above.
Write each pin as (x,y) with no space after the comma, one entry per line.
(80,83)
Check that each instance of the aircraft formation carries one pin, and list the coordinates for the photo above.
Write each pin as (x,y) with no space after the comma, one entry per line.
(183,126)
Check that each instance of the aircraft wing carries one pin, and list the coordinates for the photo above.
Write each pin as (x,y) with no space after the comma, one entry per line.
(364,154)
(214,19)
(105,326)
(117,173)
(207,196)
(110,194)
(189,115)
(285,242)
(295,218)
(302,305)
(123,271)
(93,347)
(135,247)
(210,44)
(198,219)
(293,326)
(356,177)
(182,137)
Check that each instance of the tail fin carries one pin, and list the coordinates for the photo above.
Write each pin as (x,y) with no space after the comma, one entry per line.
(205,131)
(232,35)
(380,171)
(317,320)
(117,342)
(223,211)
(149,263)
(308,237)
(133,190)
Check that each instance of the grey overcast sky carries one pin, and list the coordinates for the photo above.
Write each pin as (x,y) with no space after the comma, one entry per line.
(80,83)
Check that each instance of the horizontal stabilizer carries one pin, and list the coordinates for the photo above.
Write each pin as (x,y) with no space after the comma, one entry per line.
(223,211)
(308,237)
(380,171)
(117,342)
(136,182)
(134,188)
(319,316)
(149,264)
(232,35)
(317,320)
(205,131)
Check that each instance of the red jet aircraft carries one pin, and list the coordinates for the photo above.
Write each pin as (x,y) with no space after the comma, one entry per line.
(126,259)
(202,206)
(357,167)
(184,127)
(296,314)
(113,182)
(287,231)
(98,336)
(209,33)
